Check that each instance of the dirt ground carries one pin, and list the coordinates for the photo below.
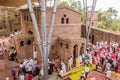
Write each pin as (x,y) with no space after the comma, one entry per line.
(5,68)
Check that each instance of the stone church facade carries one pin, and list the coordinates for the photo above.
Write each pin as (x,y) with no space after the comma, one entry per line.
(66,38)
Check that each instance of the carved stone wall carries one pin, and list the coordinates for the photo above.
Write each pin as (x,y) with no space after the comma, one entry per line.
(98,34)
(65,25)
(70,47)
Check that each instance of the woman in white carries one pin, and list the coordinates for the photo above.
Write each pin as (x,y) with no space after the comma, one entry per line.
(35,54)
(108,74)
(60,73)
(80,58)
(71,61)
(42,71)
(63,67)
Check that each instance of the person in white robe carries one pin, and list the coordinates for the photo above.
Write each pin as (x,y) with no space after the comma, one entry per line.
(35,54)
(63,67)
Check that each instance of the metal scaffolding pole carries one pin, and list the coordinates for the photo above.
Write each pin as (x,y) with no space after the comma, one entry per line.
(45,55)
(36,30)
(52,24)
(86,19)
(92,13)
(91,16)
(88,26)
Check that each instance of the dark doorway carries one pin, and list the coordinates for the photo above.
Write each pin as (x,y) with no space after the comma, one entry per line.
(75,52)
(29,42)
(92,39)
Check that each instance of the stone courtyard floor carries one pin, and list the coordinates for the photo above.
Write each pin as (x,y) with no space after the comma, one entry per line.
(5,69)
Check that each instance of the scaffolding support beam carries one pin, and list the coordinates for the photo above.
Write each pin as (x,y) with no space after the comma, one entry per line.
(52,24)
(85,16)
(36,30)
(45,55)
(88,26)
(92,13)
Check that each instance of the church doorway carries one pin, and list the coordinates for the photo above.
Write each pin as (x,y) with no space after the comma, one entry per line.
(75,52)
(92,39)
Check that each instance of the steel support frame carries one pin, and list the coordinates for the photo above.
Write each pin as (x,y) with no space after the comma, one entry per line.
(92,13)
(36,30)
(86,20)
(52,24)
(88,26)
(44,39)
(44,46)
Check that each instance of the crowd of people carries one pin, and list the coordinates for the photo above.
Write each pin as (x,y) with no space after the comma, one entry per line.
(103,54)
(28,69)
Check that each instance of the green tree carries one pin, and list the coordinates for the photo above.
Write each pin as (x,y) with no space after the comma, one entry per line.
(63,3)
(108,19)
(76,4)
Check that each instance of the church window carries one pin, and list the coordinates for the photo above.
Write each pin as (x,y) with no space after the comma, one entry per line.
(61,44)
(62,20)
(22,43)
(67,20)
(66,46)
(29,42)
(65,15)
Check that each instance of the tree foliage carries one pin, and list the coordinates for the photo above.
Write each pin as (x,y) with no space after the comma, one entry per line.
(108,20)
(76,4)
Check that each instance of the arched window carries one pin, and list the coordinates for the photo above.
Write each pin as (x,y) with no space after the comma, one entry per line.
(61,44)
(66,46)
(30,32)
(62,20)
(29,42)
(22,43)
(16,15)
(67,20)
(64,15)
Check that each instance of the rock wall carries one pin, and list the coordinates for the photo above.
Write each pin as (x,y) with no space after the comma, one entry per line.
(98,34)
